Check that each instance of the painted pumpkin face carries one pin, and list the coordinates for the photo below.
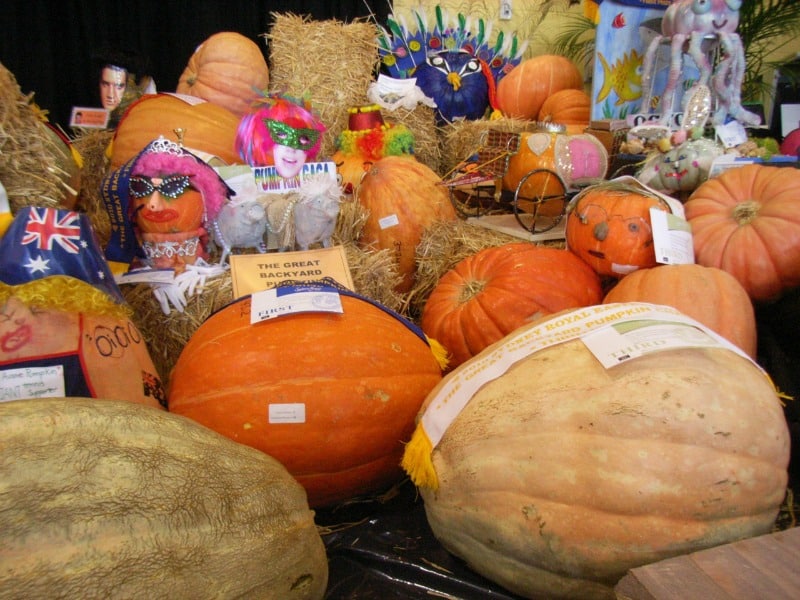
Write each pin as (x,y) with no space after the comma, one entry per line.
(166,204)
(610,230)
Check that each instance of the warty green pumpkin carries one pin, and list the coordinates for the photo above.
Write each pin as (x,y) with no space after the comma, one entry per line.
(108,499)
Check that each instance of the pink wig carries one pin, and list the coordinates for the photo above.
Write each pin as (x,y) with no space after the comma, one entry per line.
(203,178)
(253,141)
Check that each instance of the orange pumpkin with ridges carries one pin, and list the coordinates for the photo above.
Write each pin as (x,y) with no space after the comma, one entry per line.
(207,127)
(568,107)
(330,395)
(404,198)
(227,69)
(521,93)
(491,293)
(747,221)
(709,295)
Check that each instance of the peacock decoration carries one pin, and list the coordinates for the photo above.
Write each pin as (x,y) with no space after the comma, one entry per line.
(453,61)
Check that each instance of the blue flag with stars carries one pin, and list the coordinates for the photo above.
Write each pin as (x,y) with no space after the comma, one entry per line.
(45,241)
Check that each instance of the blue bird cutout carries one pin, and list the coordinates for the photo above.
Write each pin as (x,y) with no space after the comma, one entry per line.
(454,60)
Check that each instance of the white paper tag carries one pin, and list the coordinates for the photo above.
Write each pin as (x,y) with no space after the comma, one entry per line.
(287,413)
(731,134)
(32,382)
(672,238)
(388,221)
(624,341)
(287,300)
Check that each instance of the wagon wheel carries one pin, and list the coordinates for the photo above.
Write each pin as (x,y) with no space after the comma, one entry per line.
(540,200)
(475,200)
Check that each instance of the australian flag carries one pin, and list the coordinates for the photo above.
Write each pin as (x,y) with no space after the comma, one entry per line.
(45,241)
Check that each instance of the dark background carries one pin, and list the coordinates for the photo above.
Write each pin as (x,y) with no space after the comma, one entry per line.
(49,46)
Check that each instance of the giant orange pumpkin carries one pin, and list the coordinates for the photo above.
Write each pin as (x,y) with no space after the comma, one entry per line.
(404,198)
(747,222)
(491,293)
(205,127)
(521,93)
(331,396)
(709,295)
(227,69)
(608,226)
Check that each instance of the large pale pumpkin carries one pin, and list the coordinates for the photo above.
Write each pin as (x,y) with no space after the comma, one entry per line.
(521,93)
(491,293)
(747,221)
(227,69)
(404,197)
(206,127)
(559,475)
(107,499)
(608,226)
(707,294)
(331,396)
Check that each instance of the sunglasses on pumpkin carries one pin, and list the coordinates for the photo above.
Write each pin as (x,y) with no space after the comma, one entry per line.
(171,187)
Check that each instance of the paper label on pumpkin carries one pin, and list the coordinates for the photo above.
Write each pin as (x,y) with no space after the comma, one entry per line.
(32,382)
(290,299)
(458,388)
(672,238)
(287,413)
(388,221)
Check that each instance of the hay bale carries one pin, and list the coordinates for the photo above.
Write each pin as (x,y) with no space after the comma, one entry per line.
(462,138)
(420,121)
(329,61)
(29,152)
(92,144)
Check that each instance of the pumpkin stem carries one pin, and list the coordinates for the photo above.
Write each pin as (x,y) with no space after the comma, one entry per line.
(470,290)
(745,212)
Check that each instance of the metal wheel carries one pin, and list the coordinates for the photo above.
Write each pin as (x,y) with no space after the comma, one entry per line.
(540,200)
(474,201)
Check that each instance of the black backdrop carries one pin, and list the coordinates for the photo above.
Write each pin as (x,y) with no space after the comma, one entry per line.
(49,46)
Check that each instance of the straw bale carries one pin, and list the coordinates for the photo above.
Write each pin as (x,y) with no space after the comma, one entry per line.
(421,121)
(29,152)
(462,138)
(92,144)
(329,61)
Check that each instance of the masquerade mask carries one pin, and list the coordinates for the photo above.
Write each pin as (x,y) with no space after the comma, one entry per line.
(171,187)
(298,138)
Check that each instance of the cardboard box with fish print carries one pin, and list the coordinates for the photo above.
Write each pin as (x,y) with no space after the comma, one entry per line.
(625,31)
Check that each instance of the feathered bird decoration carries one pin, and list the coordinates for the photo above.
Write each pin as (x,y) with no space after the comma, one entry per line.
(453,60)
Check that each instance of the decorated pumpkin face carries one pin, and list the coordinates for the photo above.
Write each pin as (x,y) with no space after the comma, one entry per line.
(166,204)
(608,226)
(685,167)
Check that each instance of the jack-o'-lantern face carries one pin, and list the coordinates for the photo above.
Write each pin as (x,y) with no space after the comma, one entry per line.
(611,231)
(166,204)
(679,170)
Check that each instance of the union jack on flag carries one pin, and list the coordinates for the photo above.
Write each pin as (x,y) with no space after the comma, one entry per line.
(46,227)
(44,241)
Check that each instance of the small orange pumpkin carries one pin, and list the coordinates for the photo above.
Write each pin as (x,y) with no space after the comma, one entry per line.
(491,293)
(205,126)
(330,395)
(709,295)
(568,107)
(521,93)
(404,198)
(608,226)
(228,69)
(747,222)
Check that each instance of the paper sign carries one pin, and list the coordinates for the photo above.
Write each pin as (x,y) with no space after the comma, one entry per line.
(252,273)
(92,118)
(287,413)
(289,300)
(672,238)
(32,382)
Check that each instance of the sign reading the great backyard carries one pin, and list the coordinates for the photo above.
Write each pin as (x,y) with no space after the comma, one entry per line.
(252,273)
